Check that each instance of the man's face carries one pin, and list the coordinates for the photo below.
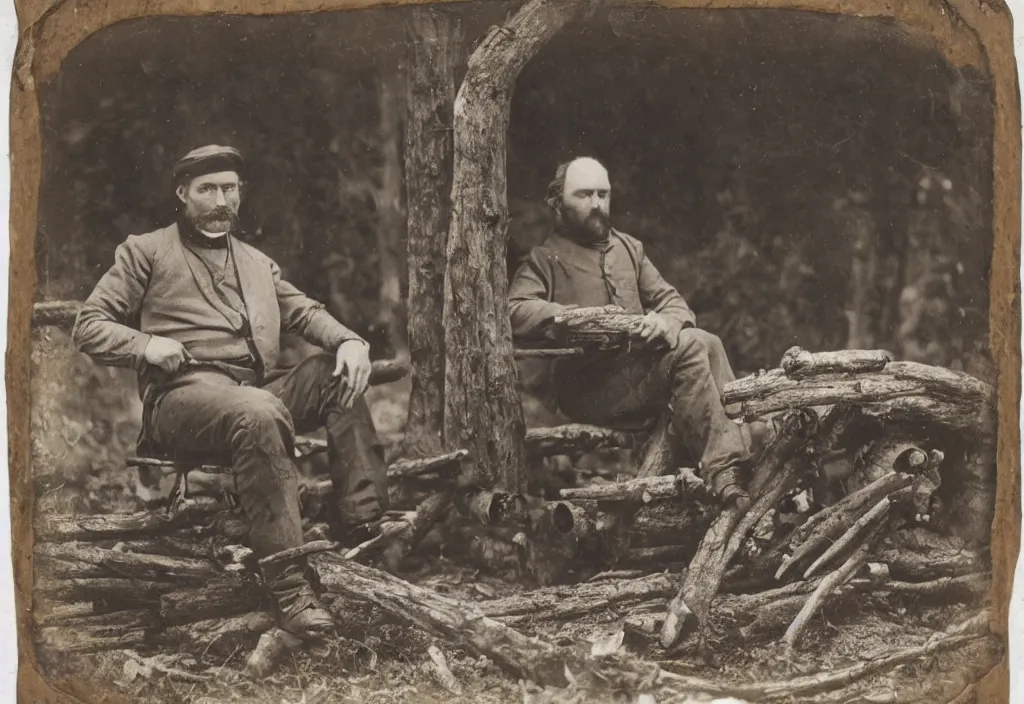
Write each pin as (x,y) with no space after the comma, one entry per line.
(212,200)
(586,200)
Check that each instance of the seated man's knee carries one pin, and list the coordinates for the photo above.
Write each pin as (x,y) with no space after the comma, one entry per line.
(711,341)
(263,417)
(691,340)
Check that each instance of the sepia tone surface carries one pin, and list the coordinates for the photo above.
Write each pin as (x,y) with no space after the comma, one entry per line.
(979,39)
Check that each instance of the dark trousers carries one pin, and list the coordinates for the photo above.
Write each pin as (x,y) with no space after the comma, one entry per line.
(630,390)
(209,413)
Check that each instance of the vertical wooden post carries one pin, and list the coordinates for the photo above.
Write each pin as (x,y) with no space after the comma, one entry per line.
(483,412)
(434,39)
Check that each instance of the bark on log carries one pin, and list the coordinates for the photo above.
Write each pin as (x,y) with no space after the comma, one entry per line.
(425,517)
(92,639)
(657,454)
(221,598)
(894,380)
(798,363)
(972,630)
(878,512)
(605,327)
(463,623)
(830,583)
(127,592)
(434,47)
(57,313)
(971,585)
(444,463)
(658,556)
(220,636)
(551,603)
(183,570)
(188,545)
(573,437)
(131,619)
(671,524)
(483,411)
(550,353)
(683,486)
(824,527)
(912,567)
(60,528)
(773,478)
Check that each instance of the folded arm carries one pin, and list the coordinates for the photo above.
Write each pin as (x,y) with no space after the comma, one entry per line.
(104,327)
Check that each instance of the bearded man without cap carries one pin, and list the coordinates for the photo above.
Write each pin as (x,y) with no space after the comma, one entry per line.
(586,262)
(198,313)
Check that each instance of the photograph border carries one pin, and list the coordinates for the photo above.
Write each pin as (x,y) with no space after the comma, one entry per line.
(967,32)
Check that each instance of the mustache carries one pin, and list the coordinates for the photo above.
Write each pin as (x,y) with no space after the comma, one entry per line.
(218,214)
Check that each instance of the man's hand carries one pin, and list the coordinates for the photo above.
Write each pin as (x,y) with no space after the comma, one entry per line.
(353,365)
(655,326)
(165,353)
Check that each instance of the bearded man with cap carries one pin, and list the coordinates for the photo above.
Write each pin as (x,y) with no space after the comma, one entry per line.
(198,313)
(586,262)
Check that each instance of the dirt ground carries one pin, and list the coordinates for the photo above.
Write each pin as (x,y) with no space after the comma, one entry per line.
(85,420)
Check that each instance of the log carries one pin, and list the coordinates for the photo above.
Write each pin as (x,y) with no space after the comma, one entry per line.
(446,463)
(829,584)
(646,490)
(567,602)
(63,527)
(895,380)
(423,519)
(57,313)
(878,512)
(573,437)
(828,524)
(774,476)
(384,371)
(606,327)
(91,639)
(911,567)
(126,592)
(464,624)
(971,585)
(131,619)
(218,599)
(671,524)
(659,555)
(300,551)
(183,570)
(434,50)
(185,545)
(220,636)
(483,410)
(657,454)
(549,353)
(971,631)
(798,363)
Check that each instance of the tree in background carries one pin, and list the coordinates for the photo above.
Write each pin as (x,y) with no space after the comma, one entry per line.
(434,40)
(483,410)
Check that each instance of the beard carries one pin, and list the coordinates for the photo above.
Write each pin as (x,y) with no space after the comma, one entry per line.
(592,228)
(221,219)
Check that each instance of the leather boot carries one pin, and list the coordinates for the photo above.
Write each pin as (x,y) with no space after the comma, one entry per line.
(299,611)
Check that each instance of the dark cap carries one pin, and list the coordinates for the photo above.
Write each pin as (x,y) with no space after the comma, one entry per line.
(208,160)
